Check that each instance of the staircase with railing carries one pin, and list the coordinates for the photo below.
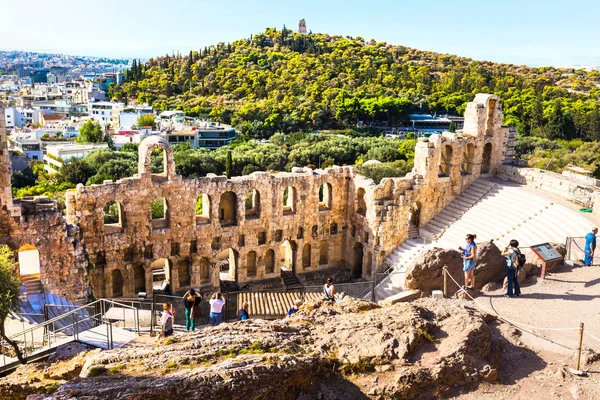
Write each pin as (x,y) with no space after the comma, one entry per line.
(87,324)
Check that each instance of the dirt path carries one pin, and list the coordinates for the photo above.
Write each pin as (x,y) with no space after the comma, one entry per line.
(564,299)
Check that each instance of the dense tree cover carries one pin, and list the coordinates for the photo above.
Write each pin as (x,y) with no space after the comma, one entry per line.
(146,120)
(281,81)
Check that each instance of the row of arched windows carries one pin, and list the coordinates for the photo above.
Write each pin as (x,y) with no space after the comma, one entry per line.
(113,213)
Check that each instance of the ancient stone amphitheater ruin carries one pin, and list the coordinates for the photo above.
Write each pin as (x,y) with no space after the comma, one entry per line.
(263,226)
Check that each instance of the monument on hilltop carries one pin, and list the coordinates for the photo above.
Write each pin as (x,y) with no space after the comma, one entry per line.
(302,26)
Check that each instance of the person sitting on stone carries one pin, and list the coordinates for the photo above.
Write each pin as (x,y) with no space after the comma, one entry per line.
(329,290)
(294,308)
(340,297)
(242,314)
(590,247)
(166,320)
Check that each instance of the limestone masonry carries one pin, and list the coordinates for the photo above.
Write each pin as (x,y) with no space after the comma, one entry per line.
(257,226)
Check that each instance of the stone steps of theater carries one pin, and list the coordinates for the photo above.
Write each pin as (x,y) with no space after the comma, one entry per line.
(290,280)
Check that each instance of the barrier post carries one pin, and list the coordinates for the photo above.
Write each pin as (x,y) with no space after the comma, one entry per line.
(445,281)
(579,348)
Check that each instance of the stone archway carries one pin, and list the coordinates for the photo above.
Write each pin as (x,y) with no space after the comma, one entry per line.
(147,146)
(160,274)
(446,161)
(228,265)
(414,216)
(117,283)
(29,260)
(486,159)
(358,260)
(288,253)
(306,256)
(228,209)
(466,166)
(184,273)
(361,205)
(139,279)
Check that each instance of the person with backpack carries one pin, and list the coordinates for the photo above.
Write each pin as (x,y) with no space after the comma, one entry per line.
(191,302)
(514,260)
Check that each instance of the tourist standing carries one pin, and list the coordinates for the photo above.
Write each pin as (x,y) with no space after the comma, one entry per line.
(469,256)
(294,308)
(329,290)
(512,254)
(590,247)
(216,306)
(166,320)
(191,302)
(340,297)
(242,314)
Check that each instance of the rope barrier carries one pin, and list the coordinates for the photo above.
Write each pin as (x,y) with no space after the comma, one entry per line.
(518,324)
(592,336)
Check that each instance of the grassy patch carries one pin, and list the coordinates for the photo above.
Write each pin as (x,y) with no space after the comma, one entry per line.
(51,388)
(171,365)
(116,369)
(169,340)
(359,367)
(97,371)
(426,335)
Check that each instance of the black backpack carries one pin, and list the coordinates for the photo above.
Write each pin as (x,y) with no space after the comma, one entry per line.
(521,259)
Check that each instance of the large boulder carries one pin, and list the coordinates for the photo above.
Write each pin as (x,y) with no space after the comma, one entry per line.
(491,266)
(425,273)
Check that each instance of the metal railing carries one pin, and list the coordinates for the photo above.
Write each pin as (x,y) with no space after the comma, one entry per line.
(45,337)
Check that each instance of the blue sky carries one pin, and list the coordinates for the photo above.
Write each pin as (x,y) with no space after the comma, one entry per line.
(534,32)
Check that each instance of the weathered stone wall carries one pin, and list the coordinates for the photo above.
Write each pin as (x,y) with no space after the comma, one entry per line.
(581,189)
(325,219)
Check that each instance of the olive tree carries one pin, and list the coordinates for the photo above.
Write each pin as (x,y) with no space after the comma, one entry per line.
(9,294)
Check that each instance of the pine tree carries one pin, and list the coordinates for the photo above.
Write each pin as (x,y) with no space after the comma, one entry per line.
(228,165)
(452,127)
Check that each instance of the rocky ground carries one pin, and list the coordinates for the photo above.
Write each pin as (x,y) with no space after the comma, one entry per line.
(353,350)
(426,349)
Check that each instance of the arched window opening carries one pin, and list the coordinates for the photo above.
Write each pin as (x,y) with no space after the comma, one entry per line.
(289,200)
(325,196)
(29,261)
(228,263)
(161,274)
(358,260)
(333,228)
(288,256)
(203,208)
(251,264)
(183,270)
(252,204)
(204,270)
(487,158)
(158,161)
(159,213)
(300,234)
(270,261)
(446,161)
(113,214)
(369,264)
(466,166)
(139,279)
(323,252)
(315,231)
(361,205)
(306,256)
(117,283)
(228,209)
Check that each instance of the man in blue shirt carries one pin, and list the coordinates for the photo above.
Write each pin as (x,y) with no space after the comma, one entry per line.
(590,247)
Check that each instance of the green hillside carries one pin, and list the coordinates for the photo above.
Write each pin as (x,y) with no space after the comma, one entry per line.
(284,81)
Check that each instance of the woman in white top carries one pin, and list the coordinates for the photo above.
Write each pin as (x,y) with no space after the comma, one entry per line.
(166,320)
(329,290)
(216,306)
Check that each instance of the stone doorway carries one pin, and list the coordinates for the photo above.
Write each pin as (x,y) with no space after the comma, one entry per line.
(227,261)
(288,253)
(486,159)
(160,271)
(358,260)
